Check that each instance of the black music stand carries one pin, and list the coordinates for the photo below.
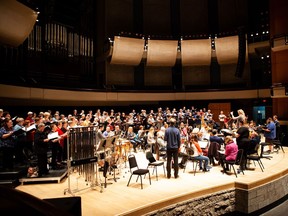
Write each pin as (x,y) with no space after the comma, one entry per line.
(105,170)
(110,145)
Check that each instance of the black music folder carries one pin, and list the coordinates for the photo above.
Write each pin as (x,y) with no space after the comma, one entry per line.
(18,132)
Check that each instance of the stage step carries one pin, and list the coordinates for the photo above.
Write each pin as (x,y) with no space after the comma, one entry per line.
(10,178)
(13,183)
(54,176)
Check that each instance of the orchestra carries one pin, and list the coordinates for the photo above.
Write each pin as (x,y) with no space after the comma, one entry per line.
(116,135)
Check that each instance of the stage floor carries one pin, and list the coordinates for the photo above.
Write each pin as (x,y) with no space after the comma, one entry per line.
(118,199)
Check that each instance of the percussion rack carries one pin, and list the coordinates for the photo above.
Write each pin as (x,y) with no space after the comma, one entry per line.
(82,155)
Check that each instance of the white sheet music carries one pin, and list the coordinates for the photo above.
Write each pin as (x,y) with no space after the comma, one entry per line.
(53,135)
(32,127)
(203,144)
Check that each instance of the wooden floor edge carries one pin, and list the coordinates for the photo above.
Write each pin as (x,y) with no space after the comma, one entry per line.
(260,182)
(150,207)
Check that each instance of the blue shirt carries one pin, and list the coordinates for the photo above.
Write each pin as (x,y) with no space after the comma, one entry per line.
(8,142)
(172,136)
(272,128)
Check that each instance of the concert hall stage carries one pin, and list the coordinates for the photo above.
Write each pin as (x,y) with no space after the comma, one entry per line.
(249,193)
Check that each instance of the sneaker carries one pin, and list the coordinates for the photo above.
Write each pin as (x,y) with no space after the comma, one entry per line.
(209,167)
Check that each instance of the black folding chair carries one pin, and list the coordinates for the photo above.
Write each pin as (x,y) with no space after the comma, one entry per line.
(154,163)
(236,162)
(134,170)
(254,156)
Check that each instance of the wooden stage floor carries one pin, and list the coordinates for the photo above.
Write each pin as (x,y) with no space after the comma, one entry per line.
(118,199)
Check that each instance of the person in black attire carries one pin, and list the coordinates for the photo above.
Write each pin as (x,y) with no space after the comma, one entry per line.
(243,141)
(215,145)
(278,127)
(41,149)
(172,136)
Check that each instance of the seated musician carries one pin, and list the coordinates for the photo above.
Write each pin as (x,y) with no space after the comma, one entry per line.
(230,153)
(160,138)
(159,120)
(215,144)
(197,154)
(131,136)
(183,132)
(150,121)
(108,132)
(117,131)
(110,123)
(151,138)
(141,134)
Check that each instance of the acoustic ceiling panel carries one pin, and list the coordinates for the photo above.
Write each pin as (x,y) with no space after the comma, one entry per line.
(127,51)
(16,22)
(196,52)
(227,49)
(162,53)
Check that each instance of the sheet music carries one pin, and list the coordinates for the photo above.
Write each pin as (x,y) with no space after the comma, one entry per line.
(53,135)
(32,127)
(203,144)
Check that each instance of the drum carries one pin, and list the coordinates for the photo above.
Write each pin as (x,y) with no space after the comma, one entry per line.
(114,159)
(127,146)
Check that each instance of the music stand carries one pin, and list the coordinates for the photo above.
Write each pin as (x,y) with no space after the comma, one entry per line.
(110,145)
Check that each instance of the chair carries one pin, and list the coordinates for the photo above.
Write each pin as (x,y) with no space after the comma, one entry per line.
(235,162)
(263,144)
(213,153)
(192,159)
(279,143)
(256,157)
(154,163)
(134,170)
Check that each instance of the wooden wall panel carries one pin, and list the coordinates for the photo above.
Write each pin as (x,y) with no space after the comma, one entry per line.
(217,107)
